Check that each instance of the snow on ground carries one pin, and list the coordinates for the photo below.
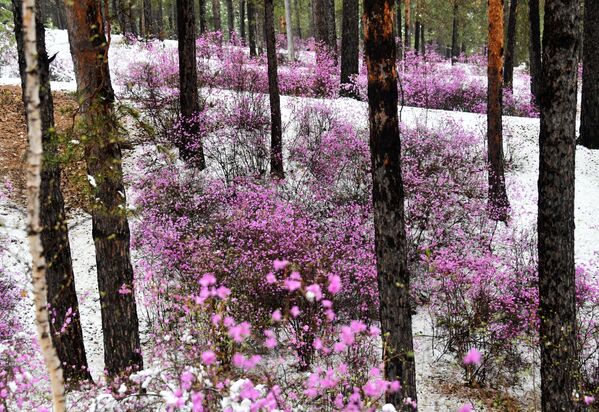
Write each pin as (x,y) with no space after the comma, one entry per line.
(521,151)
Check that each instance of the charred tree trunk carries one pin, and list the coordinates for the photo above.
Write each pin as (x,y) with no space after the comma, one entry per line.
(216,22)
(349,46)
(388,200)
(455,48)
(242,19)
(276,140)
(498,201)
(510,50)
(67,337)
(534,47)
(252,27)
(188,83)
(589,117)
(230,18)
(122,350)
(407,28)
(557,289)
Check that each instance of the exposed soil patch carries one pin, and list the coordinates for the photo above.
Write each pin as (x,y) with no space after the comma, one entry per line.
(13,147)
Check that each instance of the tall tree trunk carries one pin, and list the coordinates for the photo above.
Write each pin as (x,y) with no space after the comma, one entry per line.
(202,16)
(188,83)
(455,48)
(122,349)
(589,117)
(276,140)
(160,20)
(398,29)
(252,27)
(65,329)
(349,45)
(407,28)
(498,201)
(510,51)
(148,17)
(216,23)
(417,36)
(331,26)
(230,18)
(289,30)
(298,27)
(534,47)
(324,32)
(311,20)
(557,289)
(34,226)
(242,19)
(388,200)
(142,19)
(422,44)
(60,17)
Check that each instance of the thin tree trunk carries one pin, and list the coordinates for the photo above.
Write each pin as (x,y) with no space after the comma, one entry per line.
(510,51)
(188,83)
(398,30)
(202,16)
(252,27)
(230,18)
(311,22)
(242,19)
(160,20)
(110,229)
(534,48)
(148,17)
(216,23)
(65,329)
(388,201)
(34,227)
(331,27)
(417,36)
(555,222)
(276,141)
(455,51)
(289,30)
(422,44)
(498,201)
(589,117)
(298,28)
(349,46)
(407,29)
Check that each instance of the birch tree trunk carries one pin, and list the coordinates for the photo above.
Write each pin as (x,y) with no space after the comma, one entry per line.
(289,29)
(34,229)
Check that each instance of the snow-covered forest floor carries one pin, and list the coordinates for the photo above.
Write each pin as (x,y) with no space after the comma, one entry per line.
(442,386)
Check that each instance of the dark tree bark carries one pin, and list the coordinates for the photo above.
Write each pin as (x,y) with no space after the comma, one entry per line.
(349,45)
(510,50)
(455,48)
(331,27)
(311,22)
(122,350)
(188,83)
(557,307)
(298,27)
(422,44)
(534,47)
(276,140)
(407,26)
(148,18)
(60,19)
(202,16)
(589,117)
(216,22)
(61,294)
(252,27)
(417,36)
(160,20)
(230,18)
(388,200)
(242,19)
(324,28)
(498,201)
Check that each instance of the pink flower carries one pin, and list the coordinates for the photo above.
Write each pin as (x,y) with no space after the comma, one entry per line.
(279,264)
(271,278)
(295,311)
(473,357)
(208,357)
(589,399)
(207,280)
(276,316)
(239,332)
(124,290)
(292,285)
(334,284)
(466,408)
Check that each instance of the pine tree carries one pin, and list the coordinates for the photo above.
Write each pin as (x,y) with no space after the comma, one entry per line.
(349,45)
(589,116)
